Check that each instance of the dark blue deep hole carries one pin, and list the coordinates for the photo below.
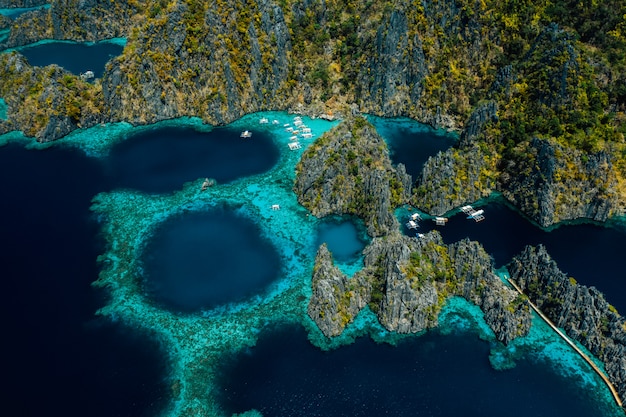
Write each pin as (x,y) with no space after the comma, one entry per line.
(592,254)
(344,238)
(431,375)
(411,143)
(205,259)
(59,358)
(163,159)
(76,58)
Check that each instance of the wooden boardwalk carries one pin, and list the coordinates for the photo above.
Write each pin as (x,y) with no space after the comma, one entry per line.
(569,342)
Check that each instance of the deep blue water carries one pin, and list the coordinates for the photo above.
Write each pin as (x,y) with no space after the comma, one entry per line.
(592,254)
(206,259)
(411,143)
(344,238)
(162,160)
(74,364)
(74,57)
(431,375)
(59,359)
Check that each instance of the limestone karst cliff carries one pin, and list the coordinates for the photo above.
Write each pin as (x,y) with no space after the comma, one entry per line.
(505,75)
(406,282)
(348,171)
(581,311)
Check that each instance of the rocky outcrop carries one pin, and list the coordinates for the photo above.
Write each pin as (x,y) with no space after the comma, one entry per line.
(79,20)
(505,311)
(551,184)
(348,171)
(214,62)
(396,69)
(454,178)
(47,103)
(482,114)
(7,4)
(408,281)
(336,299)
(581,311)
(5,22)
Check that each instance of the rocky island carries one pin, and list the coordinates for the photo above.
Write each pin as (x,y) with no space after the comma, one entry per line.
(405,281)
(536,91)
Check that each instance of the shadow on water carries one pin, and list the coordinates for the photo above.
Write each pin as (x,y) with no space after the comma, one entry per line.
(205,259)
(60,358)
(75,57)
(163,159)
(430,375)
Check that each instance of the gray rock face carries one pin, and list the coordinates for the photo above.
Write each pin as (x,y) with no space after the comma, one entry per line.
(396,69)
(552,184)
(454,178)
(336,299)
(581,311)
(407,281)
(7,4)
(482,114)
(213,71)
(505,311)
(348,171)
(85,20)
(47,103)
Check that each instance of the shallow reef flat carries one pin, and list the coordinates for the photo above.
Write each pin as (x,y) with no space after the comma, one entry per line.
(196,341)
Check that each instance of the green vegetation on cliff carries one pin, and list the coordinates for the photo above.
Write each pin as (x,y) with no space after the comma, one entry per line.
(348,171)
(551,70)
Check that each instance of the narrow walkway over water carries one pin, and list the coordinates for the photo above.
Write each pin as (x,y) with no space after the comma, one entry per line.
(569,342)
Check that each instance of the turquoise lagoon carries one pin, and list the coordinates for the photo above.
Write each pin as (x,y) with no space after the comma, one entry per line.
(209,347)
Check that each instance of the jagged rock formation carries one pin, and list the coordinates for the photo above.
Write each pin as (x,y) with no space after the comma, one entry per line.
(191,62)
(336,300)
(55,103)
(408,281)
(7,4)
(484,113)
(462,65)
(581,311)
(454,178)
(348,171)
(79,20)
(552,184)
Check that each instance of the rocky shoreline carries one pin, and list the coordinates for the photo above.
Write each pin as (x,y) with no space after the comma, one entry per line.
(348,171)
(581,311)
(405,281)
(220,63)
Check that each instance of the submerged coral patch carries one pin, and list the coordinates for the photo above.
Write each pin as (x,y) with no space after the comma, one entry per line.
(204,259)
